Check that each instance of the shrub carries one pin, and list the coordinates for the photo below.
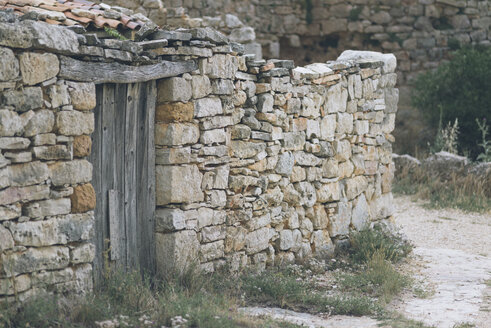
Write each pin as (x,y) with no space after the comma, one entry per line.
(460,88)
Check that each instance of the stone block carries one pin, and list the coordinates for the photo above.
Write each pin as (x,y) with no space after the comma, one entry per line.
(257,241)
(320,219)
(38,67)
(174,89)
(360,215)
(83,95)
(178,184)
(35,259)
(176,251)
(328,127)
(220,67)
(344,123)
(212,233)
(82,146)
(10,123)
(337,99)
(74,123)
(175,134)
(285,163)
(48,207)
(24,99)
(308,196)
(328,192)
(322,244)
(343,150)
(285,242)
(68,229)
(293,140)
(222,87)
(207,107)
(6,240)
(355,186)
(51,37)
(58,94)
(9,65)
(169,220)
(13,286)
(243,149)
(174,112)
(42,122)
(15,194)
(74,172)
(54,152)
(209,137)
(212,251)
(201,86)
(84,253)
(83,198)
(235,239)
(173,156)
(28,173)
(15,35)
(10,212)
(339,223)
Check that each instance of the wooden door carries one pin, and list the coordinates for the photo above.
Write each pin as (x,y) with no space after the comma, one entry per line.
(124,177)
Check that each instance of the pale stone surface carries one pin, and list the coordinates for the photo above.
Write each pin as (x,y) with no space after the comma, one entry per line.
(6,240)
(170,187)
(355,186)
(10,123)
(174,134)
(48,208)
(28,173)
(42,122)
(82,95)
(15,194)
(76,171)
(201,86)
(82,254)
(389,60)
(74,123)
(169,220)
(25,99)
(9,65)
(176,250)
(207,107)
(285,164)
(360,214)
(328,192)
(174,89)
(257,241)
(34,259)
(70,228)
(37,67)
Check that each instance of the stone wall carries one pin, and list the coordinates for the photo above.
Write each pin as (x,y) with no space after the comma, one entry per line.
(418,32)
(257,162)
(46,196)
(262,163)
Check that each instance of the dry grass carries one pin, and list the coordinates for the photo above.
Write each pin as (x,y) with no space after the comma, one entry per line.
(455,190)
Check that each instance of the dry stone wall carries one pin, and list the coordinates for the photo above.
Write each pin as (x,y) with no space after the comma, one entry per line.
(46,196)
(419,32)
(257,162)
(262,163)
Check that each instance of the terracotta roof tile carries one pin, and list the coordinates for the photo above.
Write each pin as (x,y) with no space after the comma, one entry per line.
(72,12)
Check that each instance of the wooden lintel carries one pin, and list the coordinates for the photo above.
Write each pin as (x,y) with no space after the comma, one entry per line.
(83,71)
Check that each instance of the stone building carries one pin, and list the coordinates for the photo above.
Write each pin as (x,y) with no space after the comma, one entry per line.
(125,144)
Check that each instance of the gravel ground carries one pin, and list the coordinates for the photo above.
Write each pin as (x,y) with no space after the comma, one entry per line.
(451,260)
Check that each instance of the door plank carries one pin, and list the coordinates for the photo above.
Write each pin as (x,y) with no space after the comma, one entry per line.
(115,233)
(130,183)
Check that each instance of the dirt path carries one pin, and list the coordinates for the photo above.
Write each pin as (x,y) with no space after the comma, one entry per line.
(451,260)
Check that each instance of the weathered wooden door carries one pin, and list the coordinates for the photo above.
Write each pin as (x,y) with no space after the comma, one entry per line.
(123,176)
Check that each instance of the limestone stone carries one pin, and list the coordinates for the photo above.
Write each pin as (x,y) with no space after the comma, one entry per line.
(243,149)
(170,186)
(70,228)
(306,159)
(12,286)
(173,156)
(201,86)
(15,194)
(328,127)
(175,134)
(52,152)
(307,193)
(328,192)
(42,122)
(389,60)
(293,140)
(221,67)
(38,67)
(222,87)
(174,89)
(360,214)
(208,107)
(24,99)
(382,206)
(257,241)
(14,143)
(322,244)
(10,123)
(356,186)
(9,65)
(343,150)
(176,251)
(55,38)
(235,239)
(344,123)
(45,139)
(74,123)
(213,136)
(73,172)
(212,233)
(313,129)
(339,223)
(28,173)
(83,198)
(285,164)
(35,259)
(330,168)
(84,253)
(82,95)
(243,35)
(212,251)
(320,219)
(58,95)
(174,112)
(169,220)
(240,131)
(10,212)
(265,103)
(6,240)
(82,146)
(48,207)
(337,98)
(285,242)
(345,169)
